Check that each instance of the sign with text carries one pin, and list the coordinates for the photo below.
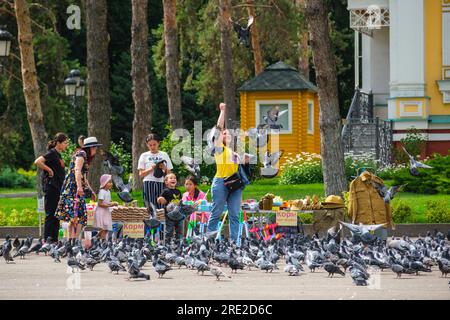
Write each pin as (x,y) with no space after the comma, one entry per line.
(287,219)
(90,217)
(133,230)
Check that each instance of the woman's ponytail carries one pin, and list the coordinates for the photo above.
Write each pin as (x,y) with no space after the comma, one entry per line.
(59,137)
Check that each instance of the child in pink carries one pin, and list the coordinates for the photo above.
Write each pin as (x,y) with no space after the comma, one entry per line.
(193,193)
(102,219)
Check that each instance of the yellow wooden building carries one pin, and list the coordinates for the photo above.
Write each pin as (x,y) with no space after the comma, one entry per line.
(297,100)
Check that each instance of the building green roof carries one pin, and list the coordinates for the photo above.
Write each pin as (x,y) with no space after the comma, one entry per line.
(278,76)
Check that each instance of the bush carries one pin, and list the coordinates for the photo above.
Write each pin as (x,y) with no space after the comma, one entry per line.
(306,218)
(9,178)
(430,181)
(414,143)
(15,218)
(438,211)
(125,158)
(303,169)
(401,212)
(388,172)
(3,220)
(354,163)
(306,167)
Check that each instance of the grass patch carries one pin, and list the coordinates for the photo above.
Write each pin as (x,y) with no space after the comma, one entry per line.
(20,190)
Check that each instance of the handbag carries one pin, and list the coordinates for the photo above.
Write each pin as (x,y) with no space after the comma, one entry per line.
(233,182)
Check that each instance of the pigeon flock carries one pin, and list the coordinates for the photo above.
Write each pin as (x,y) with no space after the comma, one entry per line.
(356,256)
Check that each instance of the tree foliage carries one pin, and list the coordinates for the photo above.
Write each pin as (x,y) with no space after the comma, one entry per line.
(58,50)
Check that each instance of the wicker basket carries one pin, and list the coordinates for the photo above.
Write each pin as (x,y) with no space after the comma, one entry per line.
(161,215)
(129,214)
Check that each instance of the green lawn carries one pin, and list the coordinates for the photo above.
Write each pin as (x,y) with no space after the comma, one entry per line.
(23,190)
(253,191)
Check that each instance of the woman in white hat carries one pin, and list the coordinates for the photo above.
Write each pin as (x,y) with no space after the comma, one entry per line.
(72,203)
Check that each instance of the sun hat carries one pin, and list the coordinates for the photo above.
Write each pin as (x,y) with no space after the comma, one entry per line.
(91,142)
(332,202)
(104,179)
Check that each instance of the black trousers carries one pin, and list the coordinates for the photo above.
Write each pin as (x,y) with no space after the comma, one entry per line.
(51,226)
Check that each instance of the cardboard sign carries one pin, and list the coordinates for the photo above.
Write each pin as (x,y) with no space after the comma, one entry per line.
(287,218)
(133,230)
(90,217)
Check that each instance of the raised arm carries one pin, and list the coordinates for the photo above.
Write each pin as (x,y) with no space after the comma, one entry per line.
(221,120)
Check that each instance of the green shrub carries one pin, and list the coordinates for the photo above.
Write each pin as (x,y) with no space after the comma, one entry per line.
(305,168)
(430,181)
(10,178)
(438,212)
(125,158)
(68,153)
(3,220)
(414,143)
(307,218)
(388,172)
(26,217)
(401,212)
(355,163)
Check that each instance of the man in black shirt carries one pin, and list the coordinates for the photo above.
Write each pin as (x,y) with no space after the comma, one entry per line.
(171,198)
(54,174)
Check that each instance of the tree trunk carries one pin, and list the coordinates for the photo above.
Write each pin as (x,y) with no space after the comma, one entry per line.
(142,122)
(30,84)
(172,69)
(99,106)
(329,118)
(256,47)
(227,61)
(303,58)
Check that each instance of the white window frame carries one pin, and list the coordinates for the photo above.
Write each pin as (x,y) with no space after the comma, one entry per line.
(419,112)
(275,102)
(310,116)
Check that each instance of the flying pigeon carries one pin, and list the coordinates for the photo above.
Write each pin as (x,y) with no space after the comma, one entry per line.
(270,160)
(113,164)
(213,134)
(361,229)
(414,164)
(259,137)
(124,189)
(243,33)
(191,165)
(272,116)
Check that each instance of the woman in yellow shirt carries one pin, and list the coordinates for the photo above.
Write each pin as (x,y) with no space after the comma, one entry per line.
(227,164)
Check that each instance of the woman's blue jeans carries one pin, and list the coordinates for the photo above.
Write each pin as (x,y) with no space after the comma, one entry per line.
(220,196)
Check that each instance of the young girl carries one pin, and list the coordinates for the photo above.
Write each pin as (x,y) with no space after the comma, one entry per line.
(102,219)
(193,193)
(152,166)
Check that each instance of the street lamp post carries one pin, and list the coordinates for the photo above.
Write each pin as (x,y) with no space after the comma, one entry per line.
(75,88)
(5,44)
